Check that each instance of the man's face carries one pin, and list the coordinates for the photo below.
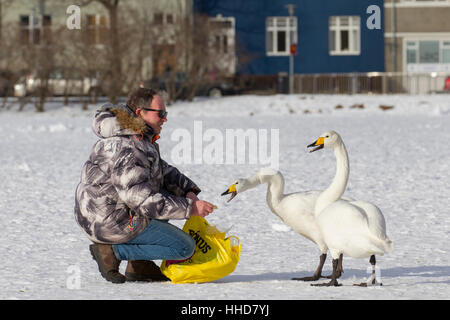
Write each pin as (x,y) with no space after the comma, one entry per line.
(151,117)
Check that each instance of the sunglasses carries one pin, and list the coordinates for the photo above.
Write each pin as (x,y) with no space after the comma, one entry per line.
(161,113)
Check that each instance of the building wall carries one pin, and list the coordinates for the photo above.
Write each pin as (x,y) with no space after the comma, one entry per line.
(57,10)
(313,34)
(414,21)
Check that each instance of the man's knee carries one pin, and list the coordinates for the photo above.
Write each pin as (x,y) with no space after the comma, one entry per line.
(188,249)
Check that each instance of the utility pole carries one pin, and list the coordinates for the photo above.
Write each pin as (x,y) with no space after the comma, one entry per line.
(1,21)
(292,52)
(31,21)
(394,36)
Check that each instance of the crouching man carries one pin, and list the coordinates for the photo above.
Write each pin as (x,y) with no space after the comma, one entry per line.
(128,193)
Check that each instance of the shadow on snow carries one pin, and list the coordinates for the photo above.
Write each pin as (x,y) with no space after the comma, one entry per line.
(396,272)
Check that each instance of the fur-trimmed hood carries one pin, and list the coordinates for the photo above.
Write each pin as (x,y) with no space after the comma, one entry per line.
(119,120)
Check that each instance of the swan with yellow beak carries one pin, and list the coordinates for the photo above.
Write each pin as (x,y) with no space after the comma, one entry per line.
(231,190)
(319,144)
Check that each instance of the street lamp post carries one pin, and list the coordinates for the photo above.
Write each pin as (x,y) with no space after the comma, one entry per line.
(292,52)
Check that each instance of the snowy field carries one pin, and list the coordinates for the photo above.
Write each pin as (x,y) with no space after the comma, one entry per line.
(399,160)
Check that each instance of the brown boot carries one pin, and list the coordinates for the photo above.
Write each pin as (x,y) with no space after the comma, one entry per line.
(144,270)
(108,264)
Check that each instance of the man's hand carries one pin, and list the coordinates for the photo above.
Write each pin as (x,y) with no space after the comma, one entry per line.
(201,208)
(192,196)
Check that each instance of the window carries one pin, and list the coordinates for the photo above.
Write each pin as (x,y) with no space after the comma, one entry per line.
(169,18)
(222,34)
(446,52)
(281,32)
(428,51)
(344,35)
(222,43)
(35,29)
(160,18)
(97,26)
(411,52)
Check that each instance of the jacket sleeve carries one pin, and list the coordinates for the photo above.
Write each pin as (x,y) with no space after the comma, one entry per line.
(131,178)
(176,182)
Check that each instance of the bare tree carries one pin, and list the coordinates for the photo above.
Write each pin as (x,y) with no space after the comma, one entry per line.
(7,76)
(4,5)
(197,57)
(41,60)
(126,46)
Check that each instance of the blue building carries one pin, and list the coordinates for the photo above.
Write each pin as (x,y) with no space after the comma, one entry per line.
(332,36)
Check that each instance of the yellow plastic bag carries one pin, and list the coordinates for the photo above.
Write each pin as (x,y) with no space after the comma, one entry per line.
(214,257)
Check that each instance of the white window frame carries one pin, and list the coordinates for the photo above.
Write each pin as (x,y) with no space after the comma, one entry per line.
(413,42)
(35,22)
(223,43)
(444,44)
(165,31)
(288,24)
(225,35)
(335,24)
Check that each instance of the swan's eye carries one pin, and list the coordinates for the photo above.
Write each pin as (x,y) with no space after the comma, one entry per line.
(327,136)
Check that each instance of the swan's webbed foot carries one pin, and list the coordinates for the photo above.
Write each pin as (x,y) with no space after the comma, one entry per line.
(339,269)
(373,280)
(332,283)
(318,274)
(313,278)
(338,275)
(368,284)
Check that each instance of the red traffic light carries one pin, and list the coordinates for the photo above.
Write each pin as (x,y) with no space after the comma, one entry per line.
(293,49)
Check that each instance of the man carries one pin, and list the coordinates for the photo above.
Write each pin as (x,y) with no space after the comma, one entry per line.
(127,193)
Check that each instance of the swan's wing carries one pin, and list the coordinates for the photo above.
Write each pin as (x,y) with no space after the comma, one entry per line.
(345,229)
(297,211)
(376,221)
(342,215)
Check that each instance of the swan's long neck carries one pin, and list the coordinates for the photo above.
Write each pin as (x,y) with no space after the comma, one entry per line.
(337,187)
(275,189)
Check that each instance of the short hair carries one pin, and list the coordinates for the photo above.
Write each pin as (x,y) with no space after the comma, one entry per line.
(140,98)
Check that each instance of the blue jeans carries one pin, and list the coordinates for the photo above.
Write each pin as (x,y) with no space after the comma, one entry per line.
(158,241)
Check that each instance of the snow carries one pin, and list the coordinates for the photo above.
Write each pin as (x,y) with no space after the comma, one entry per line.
(399,160)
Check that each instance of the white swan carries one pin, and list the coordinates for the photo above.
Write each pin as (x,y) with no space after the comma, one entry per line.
(354,228)
(295,209)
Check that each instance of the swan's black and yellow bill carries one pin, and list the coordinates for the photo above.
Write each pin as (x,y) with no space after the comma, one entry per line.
(231,190)
(318,144)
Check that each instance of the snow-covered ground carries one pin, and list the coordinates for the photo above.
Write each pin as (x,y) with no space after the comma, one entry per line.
(399,159)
